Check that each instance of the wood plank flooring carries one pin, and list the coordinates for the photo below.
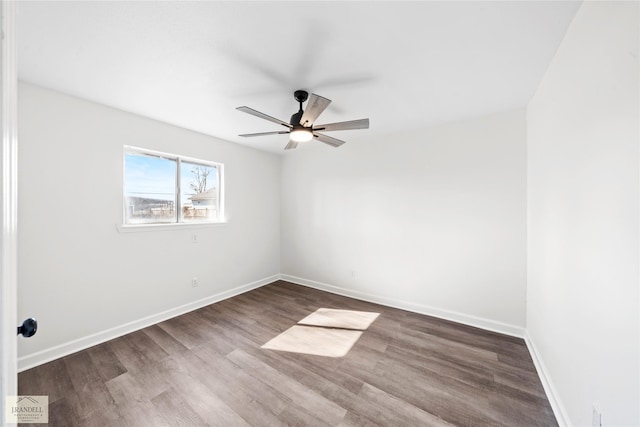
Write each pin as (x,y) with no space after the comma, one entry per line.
(207,368)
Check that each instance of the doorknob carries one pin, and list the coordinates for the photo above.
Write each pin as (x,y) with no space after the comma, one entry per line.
(29,327)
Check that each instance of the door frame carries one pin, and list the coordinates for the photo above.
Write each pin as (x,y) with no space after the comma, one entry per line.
(9,212)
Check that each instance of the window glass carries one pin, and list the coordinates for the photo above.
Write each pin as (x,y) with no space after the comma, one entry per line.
(198,192)
(165,188)
(150,183)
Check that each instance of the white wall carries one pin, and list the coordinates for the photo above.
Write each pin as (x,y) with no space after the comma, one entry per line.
(78,275)
(583,210)
(431,220)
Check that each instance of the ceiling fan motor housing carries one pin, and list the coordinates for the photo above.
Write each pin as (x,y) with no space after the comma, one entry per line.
(295,119)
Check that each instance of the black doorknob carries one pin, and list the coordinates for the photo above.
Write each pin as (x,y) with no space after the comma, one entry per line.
(29,327)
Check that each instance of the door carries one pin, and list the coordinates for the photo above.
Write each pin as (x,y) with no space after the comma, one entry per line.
(9,211)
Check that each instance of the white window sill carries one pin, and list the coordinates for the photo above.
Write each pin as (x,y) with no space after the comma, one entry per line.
(135,228)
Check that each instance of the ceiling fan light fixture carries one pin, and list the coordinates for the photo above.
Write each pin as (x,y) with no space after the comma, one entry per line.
(301,135)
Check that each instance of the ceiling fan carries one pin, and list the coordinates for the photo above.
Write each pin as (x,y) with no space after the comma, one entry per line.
(301,127)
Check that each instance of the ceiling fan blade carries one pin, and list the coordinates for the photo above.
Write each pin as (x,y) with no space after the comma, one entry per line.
(292,144)
(315,107)
(263,116)
(278,132)
(328,140)
(352,124)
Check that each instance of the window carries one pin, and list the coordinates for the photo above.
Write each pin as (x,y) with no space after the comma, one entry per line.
(162,188)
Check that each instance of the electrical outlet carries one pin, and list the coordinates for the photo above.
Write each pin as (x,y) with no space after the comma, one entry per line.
(596,417)
(194,282)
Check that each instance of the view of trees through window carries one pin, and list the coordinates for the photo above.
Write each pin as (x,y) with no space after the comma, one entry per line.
(160,188)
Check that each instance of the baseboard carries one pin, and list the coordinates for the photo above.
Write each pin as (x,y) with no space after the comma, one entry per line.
(547,384)
(32,360)
(478,322)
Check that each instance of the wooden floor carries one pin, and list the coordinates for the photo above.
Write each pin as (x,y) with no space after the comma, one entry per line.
(207,368)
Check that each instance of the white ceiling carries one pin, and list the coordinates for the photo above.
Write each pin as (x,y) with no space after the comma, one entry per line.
(405,65)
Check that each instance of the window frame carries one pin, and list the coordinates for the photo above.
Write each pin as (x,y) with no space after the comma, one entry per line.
(178,221)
